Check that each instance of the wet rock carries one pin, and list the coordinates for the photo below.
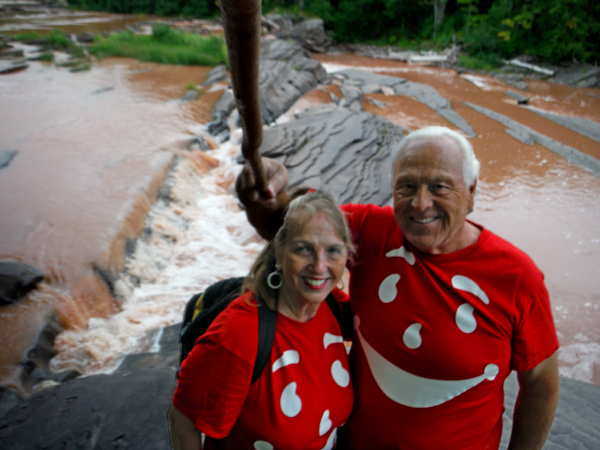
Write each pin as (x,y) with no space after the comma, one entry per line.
(587,128)
(198,143)
(351,94)
(11,54)
(124,410)
(577,75)
(218,73)
(420,92)
(310,34)
(219,128)
(6,156)
(521,99)
(281,22)
(36,367)
(103,90)
(12,66)
(166,356)
(85,38)
(224,106)
(348,154)
(581,159)
(286,73)
(189,96)
(16,280)
(589,83)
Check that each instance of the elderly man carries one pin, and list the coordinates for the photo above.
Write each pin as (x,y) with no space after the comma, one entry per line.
(443,310)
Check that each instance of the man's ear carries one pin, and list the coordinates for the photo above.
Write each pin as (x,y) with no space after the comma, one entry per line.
(472,194)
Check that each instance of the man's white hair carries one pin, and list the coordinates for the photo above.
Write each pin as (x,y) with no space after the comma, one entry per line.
(470,162)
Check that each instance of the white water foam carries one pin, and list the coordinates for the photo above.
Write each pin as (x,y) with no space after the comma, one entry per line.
(579,360)
(196,239)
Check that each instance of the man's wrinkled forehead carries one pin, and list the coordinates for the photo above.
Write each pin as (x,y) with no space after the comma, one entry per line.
(444,142)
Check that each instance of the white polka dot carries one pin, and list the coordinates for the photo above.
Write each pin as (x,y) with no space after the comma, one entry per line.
(325,423)
(387,289)
(465,320)
(468,285)
(339,374)
(491,370)
(331,440)
(402,252)
(329,338)
(290,402)
(262,445)
(288,357)
(412,336)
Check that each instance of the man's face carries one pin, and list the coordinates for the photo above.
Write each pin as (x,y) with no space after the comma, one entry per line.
(431,200)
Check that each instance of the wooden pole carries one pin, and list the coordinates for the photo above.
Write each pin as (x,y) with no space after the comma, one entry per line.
(242,23)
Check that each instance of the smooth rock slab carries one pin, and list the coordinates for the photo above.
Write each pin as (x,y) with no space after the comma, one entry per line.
(120,411)
(576,424)
(528,135)
(347,154)
(420,92)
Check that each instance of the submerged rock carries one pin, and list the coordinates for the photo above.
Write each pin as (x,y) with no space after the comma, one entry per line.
(6,156)
(16,280)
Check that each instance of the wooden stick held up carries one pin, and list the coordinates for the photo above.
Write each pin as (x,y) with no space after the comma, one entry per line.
(241,21)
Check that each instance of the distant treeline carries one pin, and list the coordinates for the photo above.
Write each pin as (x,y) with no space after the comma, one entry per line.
(187,8)
(555,30)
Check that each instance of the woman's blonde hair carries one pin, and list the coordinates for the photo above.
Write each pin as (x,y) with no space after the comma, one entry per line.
(303,206)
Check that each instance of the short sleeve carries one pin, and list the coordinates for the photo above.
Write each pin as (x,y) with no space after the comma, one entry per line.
(215,377)
(534,338)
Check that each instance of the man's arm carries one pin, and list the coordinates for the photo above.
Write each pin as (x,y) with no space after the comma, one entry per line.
(264,209)
(535,406)
(184,435)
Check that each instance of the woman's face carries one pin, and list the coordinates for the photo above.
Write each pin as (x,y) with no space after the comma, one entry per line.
(312,262)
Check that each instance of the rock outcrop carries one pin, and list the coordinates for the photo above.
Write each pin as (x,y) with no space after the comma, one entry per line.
(16,280)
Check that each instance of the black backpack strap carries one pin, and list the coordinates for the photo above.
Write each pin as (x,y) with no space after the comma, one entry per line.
(267,323)
(343,316)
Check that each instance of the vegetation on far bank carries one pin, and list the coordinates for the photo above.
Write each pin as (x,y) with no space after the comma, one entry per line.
(489,30)
(165,45)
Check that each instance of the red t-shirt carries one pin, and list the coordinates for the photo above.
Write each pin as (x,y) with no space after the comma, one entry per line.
(302,396)
(437,335)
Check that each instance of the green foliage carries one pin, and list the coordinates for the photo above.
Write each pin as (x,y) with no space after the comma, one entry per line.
(554,30)
(165,45)
(46,57)
(187,8)
(56,39)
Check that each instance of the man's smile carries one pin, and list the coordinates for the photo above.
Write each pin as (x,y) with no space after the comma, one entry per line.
(424,220)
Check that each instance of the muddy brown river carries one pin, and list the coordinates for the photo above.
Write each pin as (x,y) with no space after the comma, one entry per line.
(88,143)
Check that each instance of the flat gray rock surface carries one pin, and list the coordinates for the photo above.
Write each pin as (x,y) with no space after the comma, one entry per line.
(347,154)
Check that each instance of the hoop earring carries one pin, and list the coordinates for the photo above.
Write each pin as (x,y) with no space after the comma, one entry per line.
(272,285)
(343,284)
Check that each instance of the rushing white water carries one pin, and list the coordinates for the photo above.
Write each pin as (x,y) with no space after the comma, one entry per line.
(196,239)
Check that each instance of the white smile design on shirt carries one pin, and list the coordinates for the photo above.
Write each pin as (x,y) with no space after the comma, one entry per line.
(404,387)
(412,390)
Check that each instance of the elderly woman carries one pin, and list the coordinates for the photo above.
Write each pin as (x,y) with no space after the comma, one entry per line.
(304,393)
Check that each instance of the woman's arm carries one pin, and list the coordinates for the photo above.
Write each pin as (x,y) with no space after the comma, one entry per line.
(184,435)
